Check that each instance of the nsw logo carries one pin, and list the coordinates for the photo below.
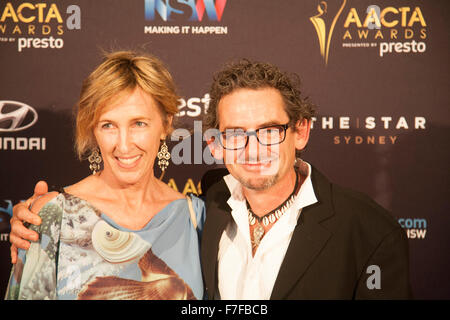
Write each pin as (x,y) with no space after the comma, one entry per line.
(167,9)
(16,116)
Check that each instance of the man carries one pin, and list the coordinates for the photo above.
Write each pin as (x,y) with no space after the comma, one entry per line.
(276,228)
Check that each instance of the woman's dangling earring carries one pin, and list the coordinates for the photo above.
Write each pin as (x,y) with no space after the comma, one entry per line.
(163,158)
(94,161)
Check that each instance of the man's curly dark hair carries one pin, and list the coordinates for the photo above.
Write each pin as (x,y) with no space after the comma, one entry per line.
(246,74)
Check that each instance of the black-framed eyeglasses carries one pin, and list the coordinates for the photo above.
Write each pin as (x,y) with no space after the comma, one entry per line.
(235,139)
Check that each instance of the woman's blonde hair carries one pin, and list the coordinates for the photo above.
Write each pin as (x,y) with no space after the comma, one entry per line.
(119,73)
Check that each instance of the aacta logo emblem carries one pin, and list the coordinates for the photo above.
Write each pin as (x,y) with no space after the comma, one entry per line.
(213,9)
(321,29)
(16,116)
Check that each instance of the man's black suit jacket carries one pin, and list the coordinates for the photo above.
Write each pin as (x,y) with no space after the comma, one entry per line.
(335,242)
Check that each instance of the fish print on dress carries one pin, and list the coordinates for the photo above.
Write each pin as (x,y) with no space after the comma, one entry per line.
(158,282)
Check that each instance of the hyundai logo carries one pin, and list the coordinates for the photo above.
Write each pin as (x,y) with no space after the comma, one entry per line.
(19,116)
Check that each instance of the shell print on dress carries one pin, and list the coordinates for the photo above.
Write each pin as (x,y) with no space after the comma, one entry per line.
(117,246)
(159,282)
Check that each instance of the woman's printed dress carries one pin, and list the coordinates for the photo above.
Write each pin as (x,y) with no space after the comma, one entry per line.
(84,254)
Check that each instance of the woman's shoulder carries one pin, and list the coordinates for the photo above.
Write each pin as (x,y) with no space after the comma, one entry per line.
(59,197)
(168,193)
(42,201)
(84,186)
(196,200)
(198,205)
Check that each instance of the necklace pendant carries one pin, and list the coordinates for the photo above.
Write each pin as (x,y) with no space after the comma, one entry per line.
(258,233)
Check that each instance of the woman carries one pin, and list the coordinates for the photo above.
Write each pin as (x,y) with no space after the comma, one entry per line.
(120,233)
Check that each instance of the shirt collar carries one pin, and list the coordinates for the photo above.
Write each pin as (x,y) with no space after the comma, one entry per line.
(304,198)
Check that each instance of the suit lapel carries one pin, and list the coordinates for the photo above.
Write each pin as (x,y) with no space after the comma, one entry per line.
(306,243)
(308,239)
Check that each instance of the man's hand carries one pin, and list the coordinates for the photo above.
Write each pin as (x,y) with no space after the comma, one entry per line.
(21,213)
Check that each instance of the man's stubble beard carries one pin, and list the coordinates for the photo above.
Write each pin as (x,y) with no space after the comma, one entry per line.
(260,184)
(264,180)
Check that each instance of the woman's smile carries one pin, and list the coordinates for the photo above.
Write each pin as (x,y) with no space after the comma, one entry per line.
(128,162)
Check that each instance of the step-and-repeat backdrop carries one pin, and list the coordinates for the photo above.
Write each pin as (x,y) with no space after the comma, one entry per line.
(378,70)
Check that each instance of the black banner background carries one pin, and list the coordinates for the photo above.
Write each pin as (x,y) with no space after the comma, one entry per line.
(402,162)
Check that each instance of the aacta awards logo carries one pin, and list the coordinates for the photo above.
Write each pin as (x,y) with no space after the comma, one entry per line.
(36,25)
(201,11)
(388,30)
(321,29)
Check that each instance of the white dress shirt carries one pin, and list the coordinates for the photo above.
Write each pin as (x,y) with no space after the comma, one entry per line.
(242,275)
